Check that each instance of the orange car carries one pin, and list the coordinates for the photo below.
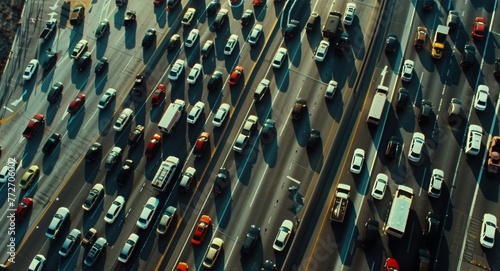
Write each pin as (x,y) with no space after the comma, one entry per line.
(235,75)
(181,266)
(201,230)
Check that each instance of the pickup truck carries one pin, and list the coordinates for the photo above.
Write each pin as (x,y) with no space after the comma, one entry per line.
(339,208)
(35,123)
(48,31)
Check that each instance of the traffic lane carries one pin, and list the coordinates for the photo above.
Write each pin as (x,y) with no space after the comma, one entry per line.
(481,254)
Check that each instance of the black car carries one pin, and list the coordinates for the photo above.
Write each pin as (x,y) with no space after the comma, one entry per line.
(342,45)
(149,38)
(403,97)
(496,72)
(291,29)
(393,148)
(101,29)
(215,81)
(50,60)
(391,43)
(247,17)
(250,241)
(267,129)
(213,7)
(428,5)
(425,112)
(84,61)
(268,266)
(51,143)
(468,57)
(314,138)
(431,230)
(312,21)
(207,48)
(93,152)
(55,92)
(101,65)
(125,172)
(299,108)
(174,42)
(371,234)
(220,19)
(424,259)
(136,135)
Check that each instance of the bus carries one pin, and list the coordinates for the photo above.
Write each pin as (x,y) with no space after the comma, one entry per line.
(400,209)
(378,105)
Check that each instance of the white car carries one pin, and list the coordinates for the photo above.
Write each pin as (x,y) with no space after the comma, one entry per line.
(488,230)
(73,239)
(195,112)
(279,57)
(254,36)
(436,183)
(128,248)
(122,120)
(407,72)
(147,213)
(114,209)
(176,69)
(350,10)
(221,114)
(240,143)
(322,50)
(358,159)
(194,73)
(379,186)
(213,252)
(231,43)
(331,89)
(283,235)
(106,98)
(10,165)
(61,215)
(417,144)
(37,263)
(166,219)
(481,97)
(191,39)
(30,69)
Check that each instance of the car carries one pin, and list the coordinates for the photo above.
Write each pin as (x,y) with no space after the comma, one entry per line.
(452,20)
(213,7)
(51,143)
(261,90)
(55,91)
(102,28)
(149,38)
(215,81)
(73,239)
(29,176)
(188,16)
(431,230)
(147,213)
(93,152)
(468,57)
(428,5)
(342,47)
(255,34)
(95,251)
(313,140)
(195,112)
(240,143)
(250,125)
(283,235)
(201,229)
(391,264)
(349,13)
(84,61)
(34,125)
(37,263)
(50,60)
(153,146)
(279,57)
(213,252)
(488,230)
(101,65)
(403,98)
(416,147)
(258,3)
(201,144)
(268,265)
(10,166)
(57,221)
(129,18)
(221,181)
(267,129)
(157,3)
(220,19)
(425,112)
(371,234)
(436,183)
(108,96)
(481,97)
(23,209)
(235,75)
(113,156)
(181,266)
(174,42)
(194,73)
(128,248)
(420,37)
(221,114)
(89,238)
(379,186)
(407,72)
(193,36)
(95,193)
(126,115)
(186,179)
(312,21)
(357,161)
(125,173)
(166,219)
(30,69)
(496,71)
(176,69)
(76,104)
(331,89)
(207,48)
(298,109)
(479,28)
(80,47)
(291,29)
(391,43)
(393,147)
(231,44)
(135,135)
(114,210)
(322,50)
(171,4)
(158,95)
(247,17)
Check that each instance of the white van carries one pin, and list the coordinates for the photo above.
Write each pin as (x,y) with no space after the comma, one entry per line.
(474,137)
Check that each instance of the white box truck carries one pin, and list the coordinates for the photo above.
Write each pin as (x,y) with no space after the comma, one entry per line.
(378,105)
(171,116)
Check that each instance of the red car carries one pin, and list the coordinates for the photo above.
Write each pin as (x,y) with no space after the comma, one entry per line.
(201,144)
(235,75)
(23,208)
(157,2)
(33,125)
(201,230)
(153,145)
(181,266)
(391,265)
(158,95)
(258,2)
(76,104)
(479,28)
